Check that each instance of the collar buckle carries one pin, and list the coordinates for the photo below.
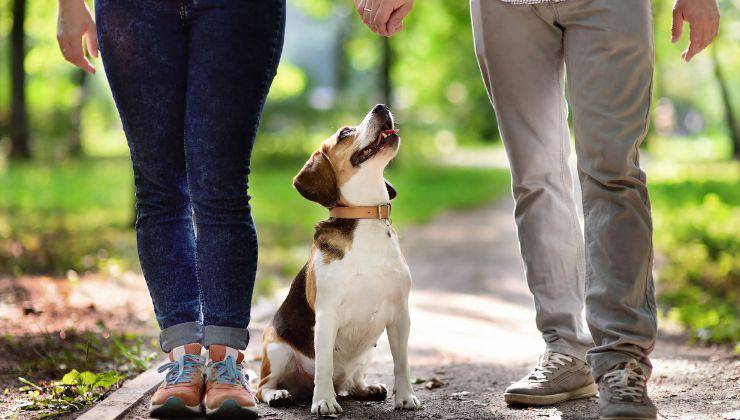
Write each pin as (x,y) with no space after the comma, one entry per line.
(387,206)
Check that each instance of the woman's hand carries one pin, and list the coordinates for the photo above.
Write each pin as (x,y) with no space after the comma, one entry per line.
(384,17)
(75,22)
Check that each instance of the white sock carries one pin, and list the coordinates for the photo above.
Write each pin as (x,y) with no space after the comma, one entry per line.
(178,352)
(234,353)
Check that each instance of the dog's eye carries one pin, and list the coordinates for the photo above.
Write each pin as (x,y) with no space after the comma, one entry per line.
(345,132)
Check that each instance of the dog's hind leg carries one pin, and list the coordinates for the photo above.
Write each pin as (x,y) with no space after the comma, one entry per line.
(277,364)
(358,387)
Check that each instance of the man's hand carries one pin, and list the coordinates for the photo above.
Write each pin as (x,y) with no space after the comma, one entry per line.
(703,18)
(75,23)
(384,17)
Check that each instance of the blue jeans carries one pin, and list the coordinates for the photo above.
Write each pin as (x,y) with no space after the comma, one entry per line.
(190,78)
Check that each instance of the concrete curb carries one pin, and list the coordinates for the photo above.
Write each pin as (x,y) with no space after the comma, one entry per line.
(132,392)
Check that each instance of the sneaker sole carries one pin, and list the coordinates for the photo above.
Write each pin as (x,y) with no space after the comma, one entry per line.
(527,399)
(174,408)
(229,409)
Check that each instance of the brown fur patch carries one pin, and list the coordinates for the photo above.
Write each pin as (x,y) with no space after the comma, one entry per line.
(268,336)
(311,280)
(317,182)
(333,237)
(295,319)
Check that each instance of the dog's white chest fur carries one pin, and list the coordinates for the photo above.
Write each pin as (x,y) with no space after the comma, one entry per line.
(366,290)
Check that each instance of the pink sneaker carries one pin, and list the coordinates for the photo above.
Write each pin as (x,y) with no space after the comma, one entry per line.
(179,395)
(227,394)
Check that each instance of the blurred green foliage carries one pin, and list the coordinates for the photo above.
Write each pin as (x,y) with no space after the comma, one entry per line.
(697,233)
(436,84)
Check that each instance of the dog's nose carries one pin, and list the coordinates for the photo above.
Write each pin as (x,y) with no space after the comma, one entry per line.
(380,108)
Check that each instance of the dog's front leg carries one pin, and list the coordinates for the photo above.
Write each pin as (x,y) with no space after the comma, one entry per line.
(398,338)
(325,333)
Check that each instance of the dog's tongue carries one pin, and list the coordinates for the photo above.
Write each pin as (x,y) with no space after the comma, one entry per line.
(385,133)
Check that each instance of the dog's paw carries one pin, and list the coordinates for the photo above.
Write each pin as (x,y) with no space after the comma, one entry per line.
(325,406)
(407,402)
(278,398)
(374,392)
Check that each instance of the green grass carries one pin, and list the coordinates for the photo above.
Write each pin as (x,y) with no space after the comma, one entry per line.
(57,375)
(77,215)
(707,148)
(697,231)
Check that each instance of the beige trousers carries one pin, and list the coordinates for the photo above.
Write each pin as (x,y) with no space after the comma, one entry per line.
(607,48)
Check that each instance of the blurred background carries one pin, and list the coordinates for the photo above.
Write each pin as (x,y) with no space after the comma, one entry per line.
(67,249)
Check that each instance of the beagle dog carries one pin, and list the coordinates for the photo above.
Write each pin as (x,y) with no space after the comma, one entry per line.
(355,284)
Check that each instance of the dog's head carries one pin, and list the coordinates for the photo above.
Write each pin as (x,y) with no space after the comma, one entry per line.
(347,169)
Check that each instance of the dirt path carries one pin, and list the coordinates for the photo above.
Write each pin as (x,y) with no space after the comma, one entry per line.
(473,328)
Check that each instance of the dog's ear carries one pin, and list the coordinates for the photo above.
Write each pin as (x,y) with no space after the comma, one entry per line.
(391,191)
(317,181)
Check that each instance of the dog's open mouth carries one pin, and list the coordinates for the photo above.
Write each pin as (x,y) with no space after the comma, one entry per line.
(384,137)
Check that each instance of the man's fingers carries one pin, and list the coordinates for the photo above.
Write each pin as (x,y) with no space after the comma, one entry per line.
(677,26)
(714,23)
(395,23)
(380,20)
(697,41)
(398,29)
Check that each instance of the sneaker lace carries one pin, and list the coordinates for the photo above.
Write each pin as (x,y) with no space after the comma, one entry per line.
(227,372)
(548,363)
(627,382)
(181,371)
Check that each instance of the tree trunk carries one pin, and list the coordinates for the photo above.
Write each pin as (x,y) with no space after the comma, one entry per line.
(730,121)
(341,60)
(385,72)
(19,148)
(74,140)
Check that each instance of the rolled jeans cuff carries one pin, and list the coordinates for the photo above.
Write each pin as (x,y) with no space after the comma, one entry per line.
(236,338)
(179,335)
(601,363)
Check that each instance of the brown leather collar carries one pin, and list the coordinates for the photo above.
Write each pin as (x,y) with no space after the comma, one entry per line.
(381,211)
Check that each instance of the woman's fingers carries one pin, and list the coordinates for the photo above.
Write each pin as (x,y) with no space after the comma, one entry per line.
(72,50)
(360,7)
(91,38)
(367,12)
